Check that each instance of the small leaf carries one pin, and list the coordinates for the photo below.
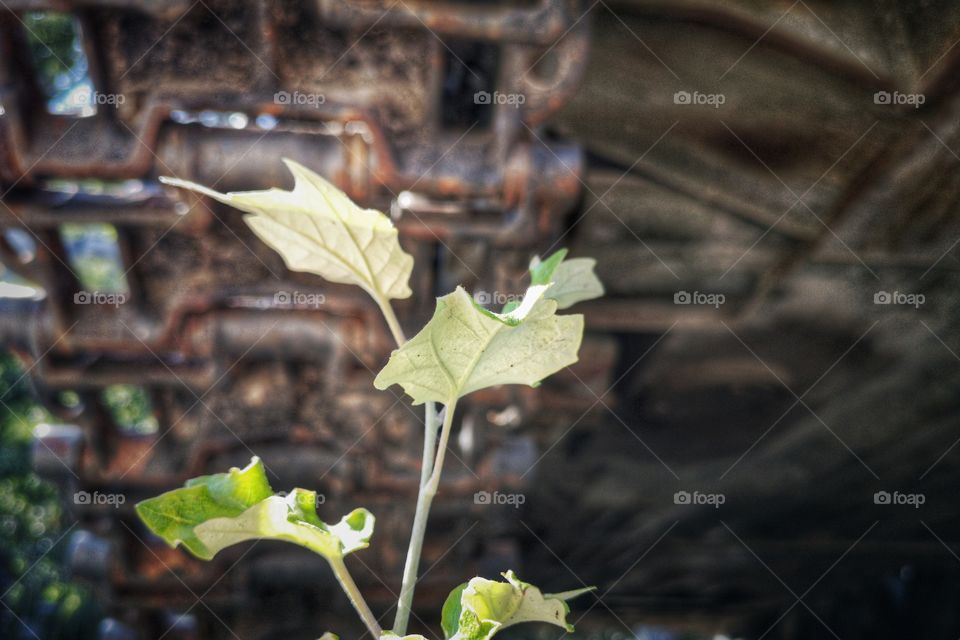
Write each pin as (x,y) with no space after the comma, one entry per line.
(174,515)
(329,636)
(573,280)
(450,616)
(214,512)
(486,607)
(318,229)
(465,347)
(542,272)
(390,635)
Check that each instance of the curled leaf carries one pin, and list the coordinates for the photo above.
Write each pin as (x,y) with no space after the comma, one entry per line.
(480,608)
(318,229)
(573,280)
(465,347)
(213,512)
(174,515)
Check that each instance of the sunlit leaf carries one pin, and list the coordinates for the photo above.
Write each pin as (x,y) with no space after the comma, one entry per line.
(450,615)
(480,608)
(573,280)
(318,229)
(465,347)
(213,512)
(174,515)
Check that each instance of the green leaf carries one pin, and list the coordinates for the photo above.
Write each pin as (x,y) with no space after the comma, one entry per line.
(465,347)
(278,518)
(486,606)
(390,635)
(542,272)
(318,229)
(214,512)
(573,280)
(450,616)
(174,515)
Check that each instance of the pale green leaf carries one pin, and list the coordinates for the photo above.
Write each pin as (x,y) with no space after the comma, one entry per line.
(569,595)
(573,280)
(318,229)
(214,512)
(486,606)
(465,347)
(278,518)
(390,635)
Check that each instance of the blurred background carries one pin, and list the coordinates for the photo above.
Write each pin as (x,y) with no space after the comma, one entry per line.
(760,437)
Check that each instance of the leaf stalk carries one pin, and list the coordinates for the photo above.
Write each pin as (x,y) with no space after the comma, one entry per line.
(356,598)
(429,482)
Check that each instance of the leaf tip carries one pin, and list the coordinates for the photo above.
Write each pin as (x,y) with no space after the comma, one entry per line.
(293,165)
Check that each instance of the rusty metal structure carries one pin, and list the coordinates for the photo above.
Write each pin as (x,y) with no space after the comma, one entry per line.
(799,198)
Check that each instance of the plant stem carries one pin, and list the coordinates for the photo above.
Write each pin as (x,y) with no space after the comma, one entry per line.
(429,441)
(429,409)
(430,480)
(387,309)
(356,598)
(434,481)
(430,468)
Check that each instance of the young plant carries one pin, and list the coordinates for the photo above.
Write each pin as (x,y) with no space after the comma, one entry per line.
(464,347)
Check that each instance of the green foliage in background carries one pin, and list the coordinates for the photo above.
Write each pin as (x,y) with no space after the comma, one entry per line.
(131,408)
(55,48)
(37,601)
(91,249)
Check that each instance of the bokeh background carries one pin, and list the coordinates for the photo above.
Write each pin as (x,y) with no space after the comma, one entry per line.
(759,440)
